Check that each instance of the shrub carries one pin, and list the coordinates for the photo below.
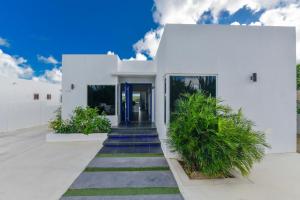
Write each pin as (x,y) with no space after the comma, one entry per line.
(213,139)
(87,120)
(84,120)
(59,125)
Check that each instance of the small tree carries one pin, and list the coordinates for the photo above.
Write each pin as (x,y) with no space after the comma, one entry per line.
(213,139)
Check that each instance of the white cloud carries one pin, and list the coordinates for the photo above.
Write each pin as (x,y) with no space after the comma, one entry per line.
(4,42)
(285,16)
(15,67)
(255,23)
(110,53)
(149,44)
(47,60)
(53,76)
(235,23)
(138,56)
(191,11)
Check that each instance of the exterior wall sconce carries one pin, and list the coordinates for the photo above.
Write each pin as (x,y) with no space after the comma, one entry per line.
(72,86)
(253,77)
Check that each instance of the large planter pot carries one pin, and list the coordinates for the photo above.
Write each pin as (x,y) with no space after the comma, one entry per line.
(75,137)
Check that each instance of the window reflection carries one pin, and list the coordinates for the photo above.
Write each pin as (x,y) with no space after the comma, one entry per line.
(102,97)
(190,84)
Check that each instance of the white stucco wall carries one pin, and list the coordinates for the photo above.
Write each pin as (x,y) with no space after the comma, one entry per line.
(84,70)
(136,66)
(19,110)
(233,53)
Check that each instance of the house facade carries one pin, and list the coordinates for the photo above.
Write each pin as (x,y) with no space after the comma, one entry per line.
(248,67)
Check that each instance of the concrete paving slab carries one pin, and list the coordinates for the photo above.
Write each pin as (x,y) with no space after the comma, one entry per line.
(32,169)
(128,162)
(124,179)
(135,197)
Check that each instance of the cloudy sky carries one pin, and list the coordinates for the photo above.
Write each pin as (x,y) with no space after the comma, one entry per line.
(34,34)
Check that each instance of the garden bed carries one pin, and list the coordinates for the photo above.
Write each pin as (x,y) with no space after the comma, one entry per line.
(75,137)
(198,175)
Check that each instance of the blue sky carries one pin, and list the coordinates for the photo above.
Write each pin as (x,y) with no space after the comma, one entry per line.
(33,28)
(55,27)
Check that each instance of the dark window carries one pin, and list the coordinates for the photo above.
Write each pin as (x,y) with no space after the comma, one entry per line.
(48,96)
(190,84)
(36,96)
(102,97)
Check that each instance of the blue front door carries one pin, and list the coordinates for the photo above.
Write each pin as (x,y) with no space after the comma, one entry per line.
(128,103)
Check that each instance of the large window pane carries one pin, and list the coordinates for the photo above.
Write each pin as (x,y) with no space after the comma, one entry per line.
(102,97)
(190,84)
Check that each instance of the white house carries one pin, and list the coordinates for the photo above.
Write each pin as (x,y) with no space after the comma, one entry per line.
(249,67)
(27,103)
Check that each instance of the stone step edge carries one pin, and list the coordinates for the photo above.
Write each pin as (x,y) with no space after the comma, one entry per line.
(126,169)
(129,155)
(121,191)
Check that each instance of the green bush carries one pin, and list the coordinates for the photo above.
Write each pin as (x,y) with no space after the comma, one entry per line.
(212,139)
(84,120)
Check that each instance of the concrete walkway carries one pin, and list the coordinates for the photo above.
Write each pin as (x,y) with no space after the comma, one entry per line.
(32,169)
(126,169)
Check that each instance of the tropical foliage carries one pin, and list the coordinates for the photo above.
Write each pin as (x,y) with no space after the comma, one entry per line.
(213,139)
(84,120)
(298,77)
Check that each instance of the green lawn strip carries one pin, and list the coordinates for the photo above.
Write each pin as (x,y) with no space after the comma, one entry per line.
(120,169)
(121,191)
(120,155)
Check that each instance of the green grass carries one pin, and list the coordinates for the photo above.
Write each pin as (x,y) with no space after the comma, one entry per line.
(119,155)
(120,169)
(121,191)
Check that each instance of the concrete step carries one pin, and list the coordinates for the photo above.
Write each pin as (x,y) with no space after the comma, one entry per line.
(133,131)
(130,149)
(100,162)
(124,180)
(126,135)
(132,197)
(132,142)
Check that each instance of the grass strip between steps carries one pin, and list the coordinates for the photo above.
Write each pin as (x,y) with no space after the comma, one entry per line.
(121,155)
(125,169)
(121,191)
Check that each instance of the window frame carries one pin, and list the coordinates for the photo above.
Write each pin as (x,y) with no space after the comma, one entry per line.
(115,95)
(168,87)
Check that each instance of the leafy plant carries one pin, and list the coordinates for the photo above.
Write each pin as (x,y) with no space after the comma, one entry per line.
(298,76)
(213,139)
(59,125)
(84,120)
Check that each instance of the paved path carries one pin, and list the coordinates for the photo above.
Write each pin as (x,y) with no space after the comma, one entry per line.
(130,166)
(32,169)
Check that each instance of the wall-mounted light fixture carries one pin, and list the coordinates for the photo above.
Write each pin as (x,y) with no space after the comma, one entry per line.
(253,77)
(72,86)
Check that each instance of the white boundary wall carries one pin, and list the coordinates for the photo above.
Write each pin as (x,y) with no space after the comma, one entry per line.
(19,110)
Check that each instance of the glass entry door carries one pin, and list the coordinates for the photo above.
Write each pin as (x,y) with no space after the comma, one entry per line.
(136,102)
(128,103)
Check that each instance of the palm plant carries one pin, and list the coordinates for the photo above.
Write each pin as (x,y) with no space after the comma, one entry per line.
(213,139)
